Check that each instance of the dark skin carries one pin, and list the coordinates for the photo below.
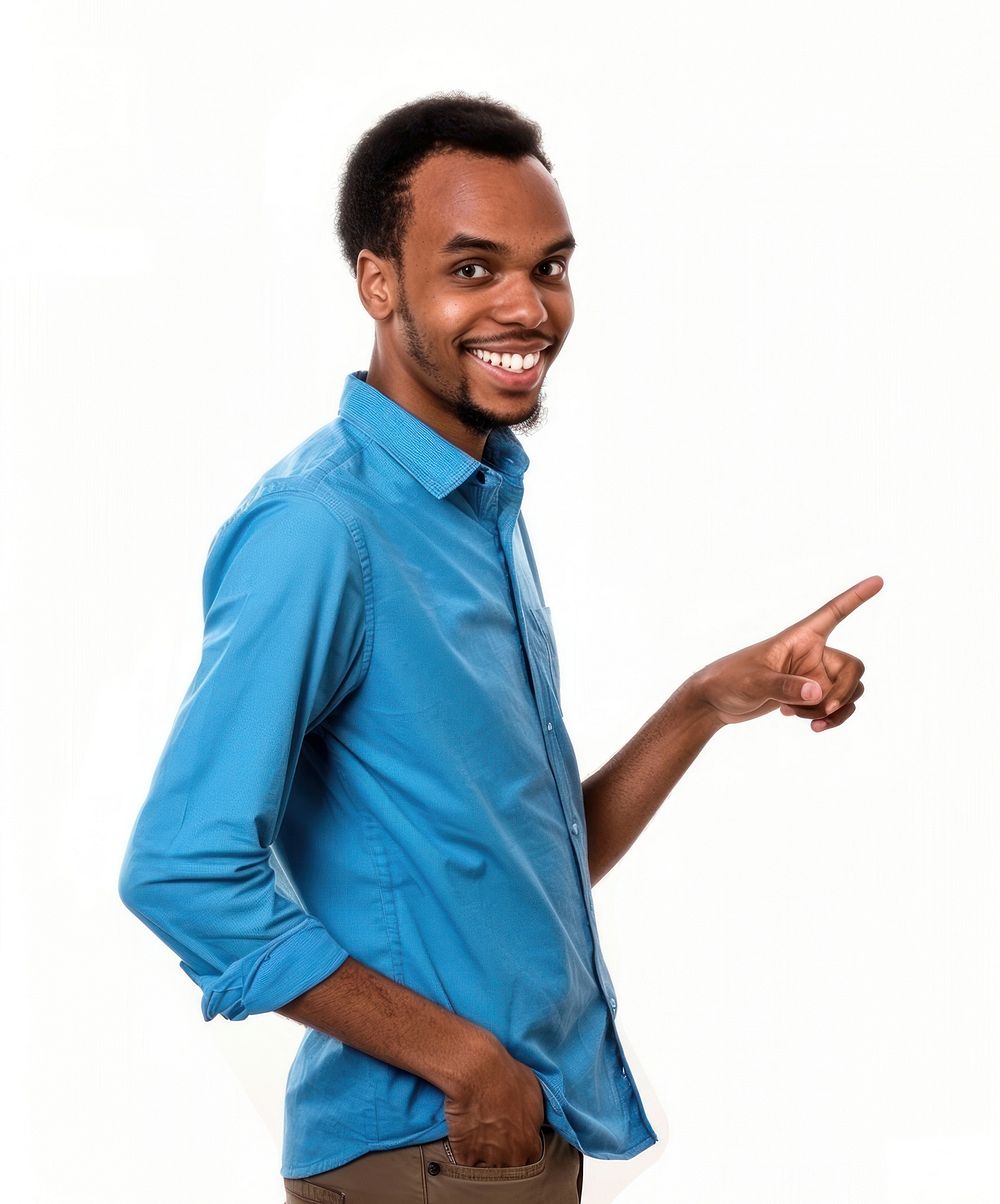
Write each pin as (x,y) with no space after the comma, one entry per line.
(431,306)
(515,296)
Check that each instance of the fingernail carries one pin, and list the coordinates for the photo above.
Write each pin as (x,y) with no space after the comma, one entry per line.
(822,723)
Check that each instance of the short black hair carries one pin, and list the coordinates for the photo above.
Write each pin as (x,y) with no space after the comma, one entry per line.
(374,205)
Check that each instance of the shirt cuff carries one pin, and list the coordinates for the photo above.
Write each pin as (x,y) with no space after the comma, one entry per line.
(273,975)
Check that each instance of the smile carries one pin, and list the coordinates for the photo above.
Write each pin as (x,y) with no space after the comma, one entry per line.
(503,366)
(504,359)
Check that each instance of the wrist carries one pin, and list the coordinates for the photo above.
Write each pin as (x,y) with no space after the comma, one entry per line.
(469,1051)
(471,1055)
(695,695)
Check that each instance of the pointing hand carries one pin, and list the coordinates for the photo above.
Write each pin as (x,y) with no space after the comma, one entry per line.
(795,669)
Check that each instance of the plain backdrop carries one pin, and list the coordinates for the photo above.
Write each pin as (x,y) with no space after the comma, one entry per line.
(783,378)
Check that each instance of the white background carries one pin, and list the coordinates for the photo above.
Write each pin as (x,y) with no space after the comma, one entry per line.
(783,378)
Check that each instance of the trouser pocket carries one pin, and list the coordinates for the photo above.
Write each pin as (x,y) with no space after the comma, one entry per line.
(555,1178)
(489,1174)
(297,1190)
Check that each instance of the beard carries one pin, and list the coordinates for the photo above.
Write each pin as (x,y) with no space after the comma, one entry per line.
(458,395)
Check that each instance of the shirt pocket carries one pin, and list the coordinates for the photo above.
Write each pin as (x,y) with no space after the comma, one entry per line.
(540,618)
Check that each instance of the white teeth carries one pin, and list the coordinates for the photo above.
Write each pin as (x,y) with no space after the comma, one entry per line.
(511,362)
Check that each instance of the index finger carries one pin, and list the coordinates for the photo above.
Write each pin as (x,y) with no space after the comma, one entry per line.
(824,620)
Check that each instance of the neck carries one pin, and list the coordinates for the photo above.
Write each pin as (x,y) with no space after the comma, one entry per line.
(428,407)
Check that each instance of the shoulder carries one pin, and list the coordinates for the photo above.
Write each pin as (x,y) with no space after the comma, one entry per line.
(325,463)
(306,494)
(289,536)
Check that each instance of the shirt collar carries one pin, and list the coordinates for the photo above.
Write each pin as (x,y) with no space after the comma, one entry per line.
(432,459)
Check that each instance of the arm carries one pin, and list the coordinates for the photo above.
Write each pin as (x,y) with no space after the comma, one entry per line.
(796,669)
(622,797)
(494,1105)
(284,641)
(384,1018)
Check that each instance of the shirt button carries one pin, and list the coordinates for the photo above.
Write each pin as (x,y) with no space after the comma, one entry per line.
(549,726)
(624,1073)
(614,1003)
(575,828)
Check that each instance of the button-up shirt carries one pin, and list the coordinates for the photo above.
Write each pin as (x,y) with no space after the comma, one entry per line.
(371,761)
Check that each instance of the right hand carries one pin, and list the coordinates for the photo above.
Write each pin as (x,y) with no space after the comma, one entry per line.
(495,1117)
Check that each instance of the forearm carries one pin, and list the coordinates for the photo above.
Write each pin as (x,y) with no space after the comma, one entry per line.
(622,797)
(389,1021)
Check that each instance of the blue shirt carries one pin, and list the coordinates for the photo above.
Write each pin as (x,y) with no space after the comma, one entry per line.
(371,761)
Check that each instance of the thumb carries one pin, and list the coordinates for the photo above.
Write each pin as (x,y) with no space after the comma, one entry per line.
(786,687)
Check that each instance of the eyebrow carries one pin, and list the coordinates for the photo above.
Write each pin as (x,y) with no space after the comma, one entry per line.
(472,242)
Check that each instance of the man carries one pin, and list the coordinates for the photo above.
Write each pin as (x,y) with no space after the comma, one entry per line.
(368,816)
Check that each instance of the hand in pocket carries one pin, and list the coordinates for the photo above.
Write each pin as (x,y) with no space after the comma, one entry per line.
(496,1120)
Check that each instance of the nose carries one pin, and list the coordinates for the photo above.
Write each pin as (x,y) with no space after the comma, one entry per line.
(520,302)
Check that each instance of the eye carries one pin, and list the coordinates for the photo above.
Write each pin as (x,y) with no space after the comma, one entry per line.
(467,268)
(558,264)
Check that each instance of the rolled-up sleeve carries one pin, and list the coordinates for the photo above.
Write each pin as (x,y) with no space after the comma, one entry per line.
(286,639)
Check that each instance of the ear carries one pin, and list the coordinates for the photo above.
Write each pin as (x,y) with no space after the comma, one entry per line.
(376,285)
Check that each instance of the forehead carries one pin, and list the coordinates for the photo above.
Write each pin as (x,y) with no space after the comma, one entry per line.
(515,202)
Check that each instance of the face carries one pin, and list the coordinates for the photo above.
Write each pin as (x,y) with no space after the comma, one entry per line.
(469,328)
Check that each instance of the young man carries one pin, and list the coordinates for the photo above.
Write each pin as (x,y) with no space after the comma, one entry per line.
(368,815)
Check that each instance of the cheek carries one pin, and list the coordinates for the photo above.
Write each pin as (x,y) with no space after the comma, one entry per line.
(456,314)
(566,310)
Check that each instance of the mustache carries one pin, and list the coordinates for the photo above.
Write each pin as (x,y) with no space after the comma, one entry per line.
(513,340)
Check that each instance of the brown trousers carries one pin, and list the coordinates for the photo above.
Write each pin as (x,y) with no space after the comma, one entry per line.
(427,1174)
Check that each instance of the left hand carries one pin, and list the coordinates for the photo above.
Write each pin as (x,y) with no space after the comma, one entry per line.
(794,669)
